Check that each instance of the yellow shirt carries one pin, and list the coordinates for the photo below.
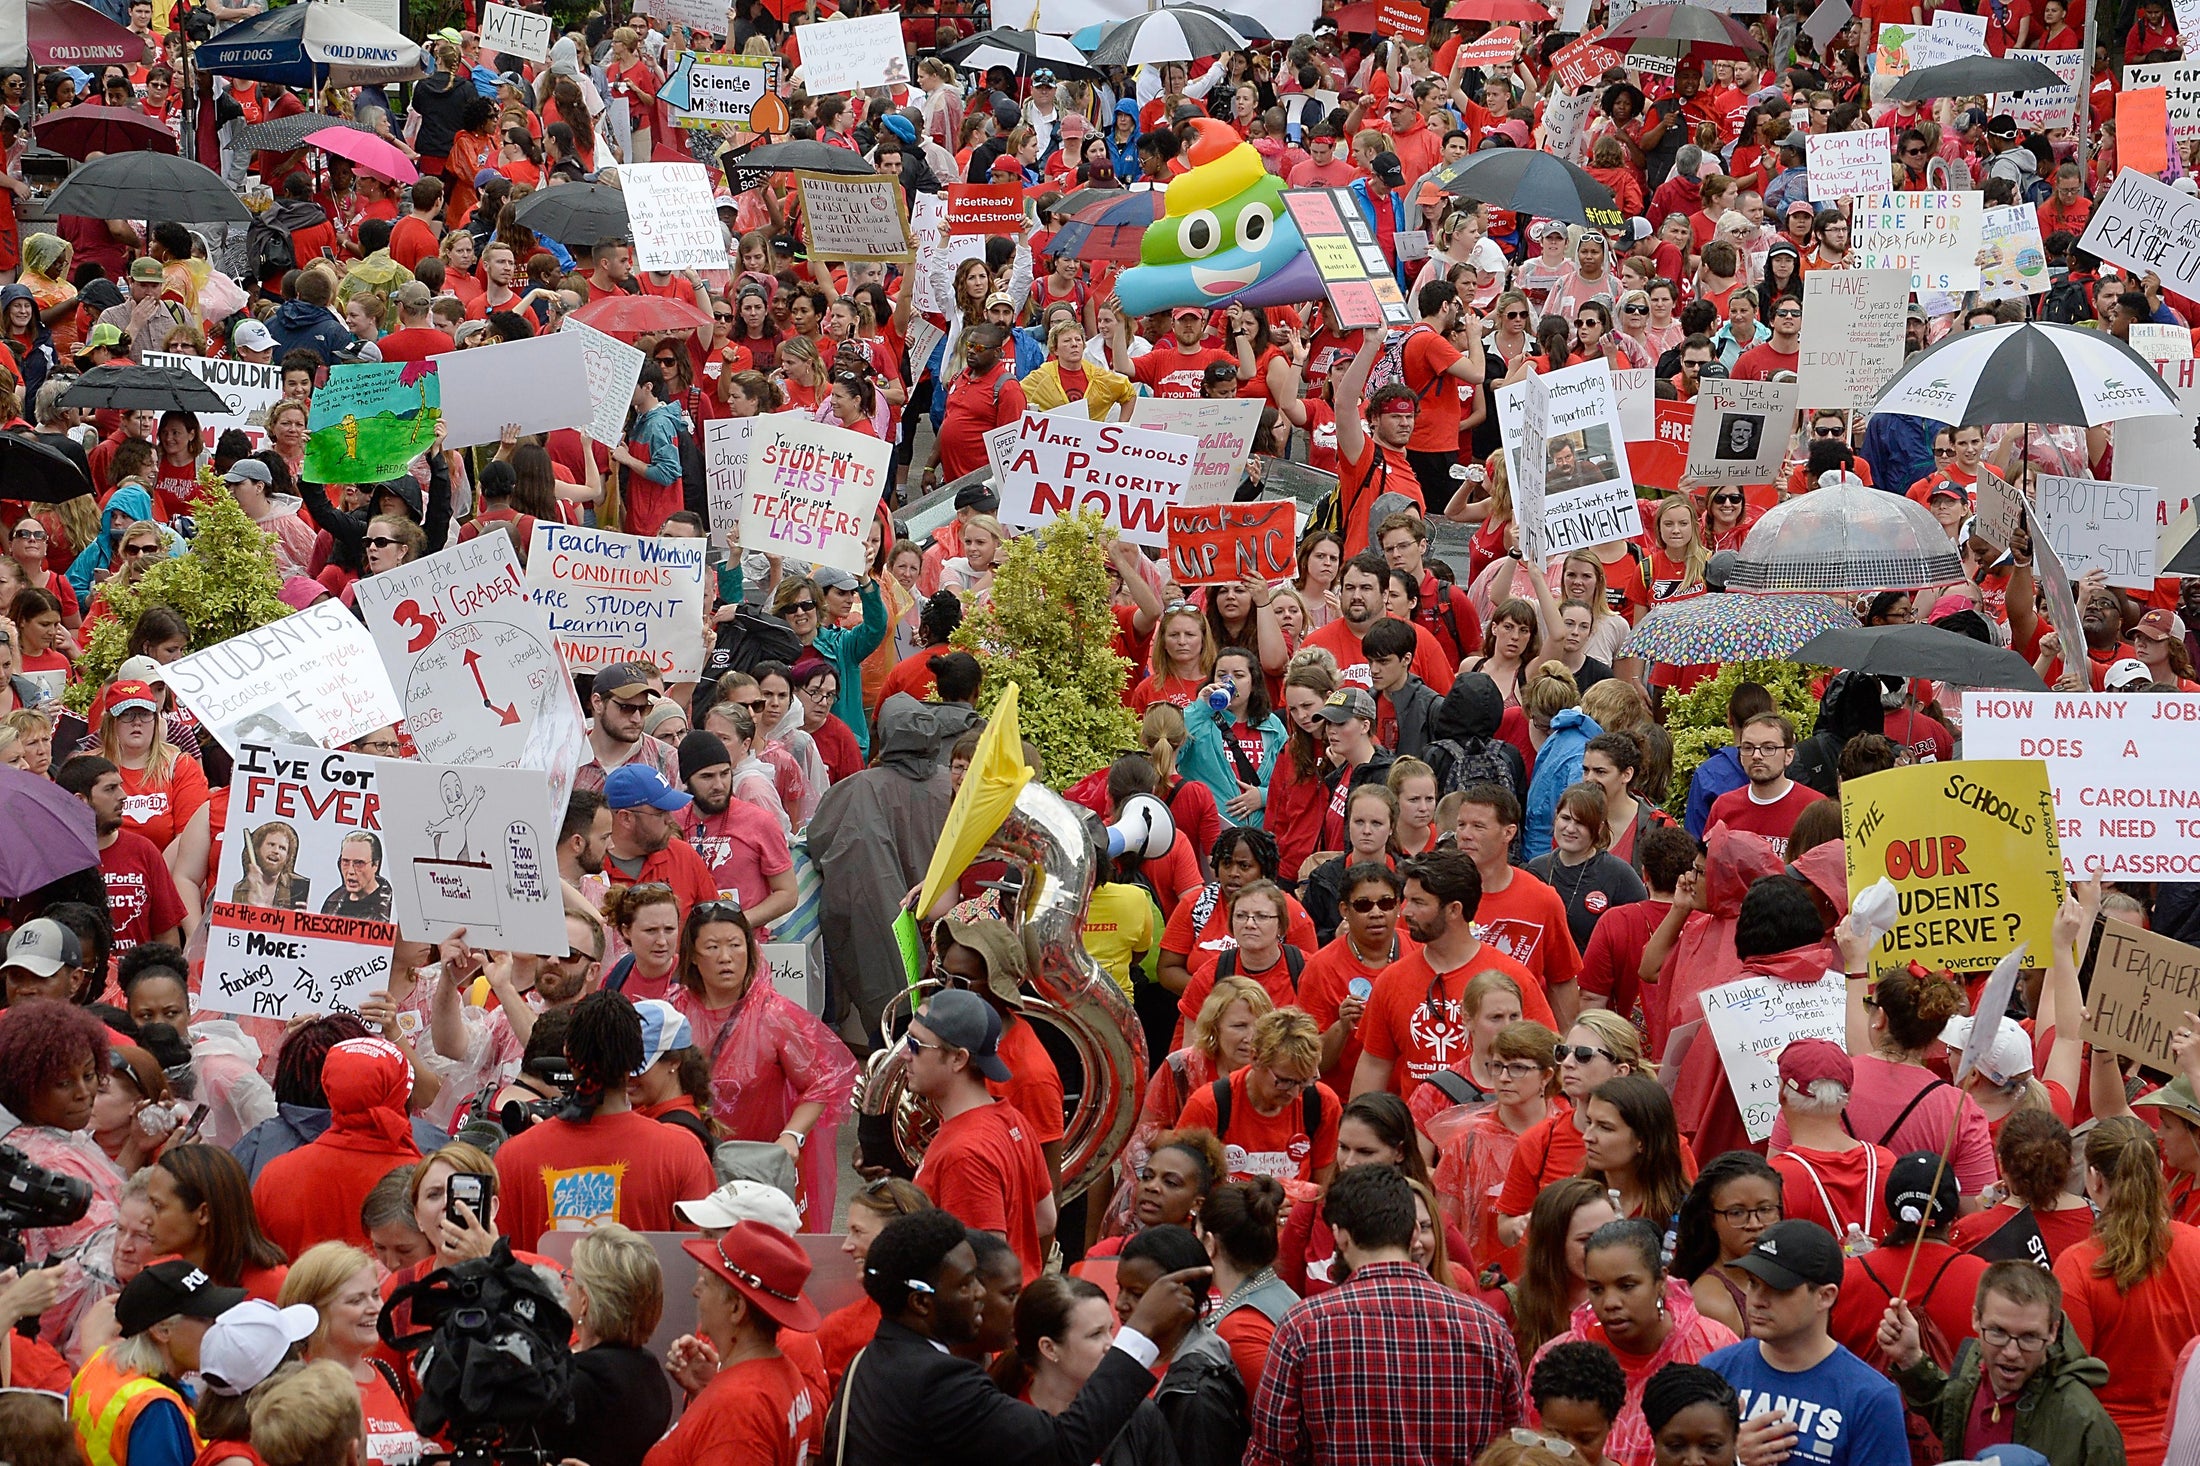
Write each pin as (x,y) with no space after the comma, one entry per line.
(1120,925)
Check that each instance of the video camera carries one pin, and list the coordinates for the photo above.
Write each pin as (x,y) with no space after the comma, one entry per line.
(550,1069)
(32,1196)
(488,1340)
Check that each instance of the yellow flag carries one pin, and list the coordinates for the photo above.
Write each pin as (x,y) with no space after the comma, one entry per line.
(996,776)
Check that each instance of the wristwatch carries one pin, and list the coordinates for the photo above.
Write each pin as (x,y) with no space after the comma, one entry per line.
(800,1140)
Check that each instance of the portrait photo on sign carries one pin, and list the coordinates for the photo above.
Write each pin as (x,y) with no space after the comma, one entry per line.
(1739,434)
(1578,459)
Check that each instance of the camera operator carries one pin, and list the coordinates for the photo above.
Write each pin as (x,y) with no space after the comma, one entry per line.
(598,1161)
(53,1056)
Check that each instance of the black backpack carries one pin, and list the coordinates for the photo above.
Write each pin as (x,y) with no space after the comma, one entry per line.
(749,638)
(492,1340)
(2066,303)
(1310,1112)
(267,250)
(1460,766)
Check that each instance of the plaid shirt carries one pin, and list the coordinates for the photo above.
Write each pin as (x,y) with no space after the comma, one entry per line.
(1391,1369)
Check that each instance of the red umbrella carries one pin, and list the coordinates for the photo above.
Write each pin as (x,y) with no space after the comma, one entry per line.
(630,316)
(1497,10)
(91,128)
(67,33)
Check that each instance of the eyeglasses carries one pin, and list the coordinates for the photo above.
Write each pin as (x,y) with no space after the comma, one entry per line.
(387,747)
(1287,1083)
(1726,498)
(1735,1216)
(1519,1069)
(802,608)
(1256,918)
(1365,904)
(381,542)
(1994,1338)
(1762,750)
(1583,1053)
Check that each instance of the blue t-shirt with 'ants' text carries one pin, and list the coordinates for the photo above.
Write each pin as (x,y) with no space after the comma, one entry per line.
(1845,1412)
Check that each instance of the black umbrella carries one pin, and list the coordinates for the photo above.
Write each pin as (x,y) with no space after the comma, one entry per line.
(583,215)
(1538,184)
(147,185)
(1180,33)
(288,134)
(1022,52)
(143,388)
(39,472)
(1972,76)
(1919,649)
(809,155)
(1675,30)
(2032,371)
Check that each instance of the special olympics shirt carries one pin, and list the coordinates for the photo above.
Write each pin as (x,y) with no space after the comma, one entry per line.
(1845,1412)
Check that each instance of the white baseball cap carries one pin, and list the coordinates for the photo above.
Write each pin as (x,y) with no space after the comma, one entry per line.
(249,1342)
(2125,674)
(742,1201)
(2008,1054)
(252,335)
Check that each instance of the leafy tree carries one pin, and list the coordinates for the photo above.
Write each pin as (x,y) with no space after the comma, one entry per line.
(1697,721)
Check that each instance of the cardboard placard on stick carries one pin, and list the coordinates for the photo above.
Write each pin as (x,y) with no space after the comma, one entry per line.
(1355,276)
(673,216)
(849,54)
(1755,1018)
(1853,325)
(726,443)
(2011,234)
(312,678)
(1741,431)
(1587,487)
(473,848)
(1058,465)
(2142,130)
(1845,163)
(250,388)
(619,598)
(613,367)
(1225,428)
(2100,524)
(1935,236)
(510,31)
(370,420)
(1222,544)
(2146,226)
(2139,986)
(536,384)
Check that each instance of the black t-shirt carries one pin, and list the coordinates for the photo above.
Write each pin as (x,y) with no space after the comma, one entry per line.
(1590,889)
(1488,437)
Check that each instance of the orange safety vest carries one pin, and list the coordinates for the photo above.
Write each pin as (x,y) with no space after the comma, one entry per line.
(104,1403)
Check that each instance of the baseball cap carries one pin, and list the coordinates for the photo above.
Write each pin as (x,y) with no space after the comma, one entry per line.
(625,677)
(1042,77)
(2177,1097)
(248,471)
(1517,132)
(832,577)
(632,786)
(172,1289)
(1795,1254)
(981,497)
(247,1344)
(2127,674)
(1187,310)
(963,1020)
(44,947)
(1548,227)
(742,1201)
(1800,206)
(665,1030)
(146,270)
(1948,489)
(2008,1054)
(103,334)
(2161,624)
(124,696)
(1911,1195)
(140,668)
(1000,297)
(1808,1060)
(2002,126)
(252,335)
(1346,703)
(765,1266)
(414,294)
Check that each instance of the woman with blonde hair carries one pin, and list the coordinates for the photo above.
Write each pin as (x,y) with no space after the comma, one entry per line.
(800,375)
(1601,1045)
(1182,658)
(341,1283)
(984,545)
(1066,375)
(1297,797)
(615,1292)
(165,788)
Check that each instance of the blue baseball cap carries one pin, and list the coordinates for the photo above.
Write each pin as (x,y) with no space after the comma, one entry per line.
(633,785)
(665,1030)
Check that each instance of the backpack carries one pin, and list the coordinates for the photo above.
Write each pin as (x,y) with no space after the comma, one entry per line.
(1294,963)
(1460,766)
(749,638)
(1310,1106)
(2066,303)
(1390,366)
(267,250)
(1926,1448)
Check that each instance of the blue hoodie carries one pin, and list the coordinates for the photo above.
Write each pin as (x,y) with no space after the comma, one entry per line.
(1206,757)
(1125,155)
(125,507)
(1557,769)
(316,328)
(38,358)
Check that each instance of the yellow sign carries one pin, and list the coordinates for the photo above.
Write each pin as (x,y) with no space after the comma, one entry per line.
(1971,848)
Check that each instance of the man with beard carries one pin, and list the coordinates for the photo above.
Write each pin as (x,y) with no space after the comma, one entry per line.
(142,901)
(2101,610)
(986,396)
(583,840)
(1360,603)
(526,986)
(364,892)
(757,780)
(622,695)
(742,845)
(645,848)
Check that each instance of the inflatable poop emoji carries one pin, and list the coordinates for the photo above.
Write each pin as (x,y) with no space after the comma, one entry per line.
(1225,236)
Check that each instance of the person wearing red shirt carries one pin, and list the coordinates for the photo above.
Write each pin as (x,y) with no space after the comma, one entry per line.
(1611,967)
(1373,446)
(1827,1175)
(1430,364)
(142,901)
(2067,208)
(1259,915)
(645,847)
(1770,802)
(1517,914)
(1360,597)
(2153,30)
(1416,145)
(413,238)
(757,1407)
(984,1165)
(1177,365)
(1338,979)
(312,1194)
(986,396)
(1271,1102)
(1322,168)
(1780,354)
(416,337)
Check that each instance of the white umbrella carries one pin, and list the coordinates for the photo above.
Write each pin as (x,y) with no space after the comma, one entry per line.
(2029,372)
(311,45)
(1183,33)
(1845,540)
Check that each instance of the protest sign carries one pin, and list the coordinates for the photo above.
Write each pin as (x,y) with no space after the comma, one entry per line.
(2161,343)
(849,54)
(2141,984)
(2142,129)
(617,598)
(985,208)
(726,443)
(1571,18)
(612,368)
(1845,163)
(1582,63)
(2019,264)
(2044,109)
(511,31)
(1951,36)
(370,420)
(2158,450)
(2179,82)
(702,17)
(1224,428)
(473,848)
(2098,524)
(1635,390)
(536,385)
(1660,461)
(1355,276)
(300,918)
(812,491)
(1753,1019)
(1131,475)
(2055,587)
(312,677)
(1853,324)
(388,12)
(717,92)
(673,216)
(2000,510)
(1741,431)
(1935,236)
(1524,412)
(1222,544)
(2145,225)
(854,218)
(1402,20)
(1825,22)
(250,388)
(1971,849)
(473,662)
(1565,124)
(1588,491)
(2120,766)
(1499,47)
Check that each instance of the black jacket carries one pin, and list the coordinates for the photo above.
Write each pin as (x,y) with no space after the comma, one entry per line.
(1463,746)
(1203,1399)
(1415,706)
(907,1404)
(1849,706)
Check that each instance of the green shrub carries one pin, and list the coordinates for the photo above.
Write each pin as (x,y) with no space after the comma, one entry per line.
(1697,721)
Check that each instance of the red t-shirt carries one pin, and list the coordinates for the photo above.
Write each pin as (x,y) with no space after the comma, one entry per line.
(1178,937)
(1426,356)
(1034,1085)
(411,241)
(985,1166)
(1327,982)
(1376,472)
(312,1194)
(142,901)
(976,405)
(1268,1145)
(1413,1018)
(2059,1230)
(1739,810)
(624,1168)
(391,1439)
(1527,922)
(160,811)
(1341,642)
(1759,363)
(1275,978)
(1170,371)
(2137,1334)
(1611,968)
(1853,1182)
(1942,1286)
(677,866)
(414,343)
(760,1412)
(742,846)
(843,1334)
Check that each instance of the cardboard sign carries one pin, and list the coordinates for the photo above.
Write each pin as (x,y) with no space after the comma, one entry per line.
(2095,523)
(1826,21)
(1971,848)
(985,208)
(473,848)
(537,384)
(618,598)
(1741,431)
(2158,450)
(2055,587)
(673,216)
(1356,278)
(1403,20)
(1565,124)
(2180,85)
(1582,63)
(2142,983)
(1935,236)
(717,92)
(2019,265)
(1224,428)
(847,55)
(369,420)
(510,31)
(701,17)
(2045,109)
(1661,460)
(1754,1019)
(2120,765)
(1588,489)
(854,218)
(1222,544)
(1853,324)
(612,368)
(1524,412)
(1845,163)
(2143,224)
(812,490)
(474,662)
(300,918)
(2160,343)
(250,388)
(1636,391)
(313,677)
(1131,475)
(2142,129)
(726,442)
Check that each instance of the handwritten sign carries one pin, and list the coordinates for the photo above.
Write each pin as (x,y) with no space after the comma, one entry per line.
(1583,62)
(2120,766)
(2044,109)
(811,490)
(2142,983)
(1741,431)
(313,677)
(1221,544)
(536,385)
(1845,163)
(1362,292)
(854,218)
(985,208)
(2179,82)
(849,54)
(371,419)
(2019,264)
(2160,343)
(1935,236)
(1225,428)
(726,442)
(613,367)
(1524,414)
(250,388)
(513,32)
(1565,124)
(2143,224)
(674,219)
(618,598)
(1588,487)
(473,848)
(2098,524)
(1753,1020)
(1059,465)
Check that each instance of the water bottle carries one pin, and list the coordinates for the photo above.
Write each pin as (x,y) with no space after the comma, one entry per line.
(1220,697)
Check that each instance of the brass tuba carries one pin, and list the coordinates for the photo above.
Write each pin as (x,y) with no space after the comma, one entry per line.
(1045,839)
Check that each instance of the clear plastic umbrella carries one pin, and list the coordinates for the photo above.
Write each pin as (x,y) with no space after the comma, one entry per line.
(1851,539)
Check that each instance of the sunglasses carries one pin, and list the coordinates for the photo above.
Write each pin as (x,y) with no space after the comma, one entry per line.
(802,608)
(754,707)
(1634,310)
(1726,498)
(374,542)
(1516,315)
(724,318)
(1365,904)
(1582,1053)
(1829,432)
(135,551)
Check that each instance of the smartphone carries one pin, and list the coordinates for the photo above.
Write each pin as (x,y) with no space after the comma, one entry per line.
(191,1127)
(475,1188)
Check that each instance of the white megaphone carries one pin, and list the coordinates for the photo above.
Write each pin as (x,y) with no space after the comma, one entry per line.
(1144,827)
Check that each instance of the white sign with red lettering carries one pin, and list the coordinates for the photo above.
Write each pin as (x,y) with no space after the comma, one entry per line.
(811,490)
(1060,465)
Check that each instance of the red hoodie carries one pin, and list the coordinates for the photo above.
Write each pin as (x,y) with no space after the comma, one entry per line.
(1417,145)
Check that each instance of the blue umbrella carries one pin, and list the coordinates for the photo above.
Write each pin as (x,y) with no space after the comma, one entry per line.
(311,45)
(51,833)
